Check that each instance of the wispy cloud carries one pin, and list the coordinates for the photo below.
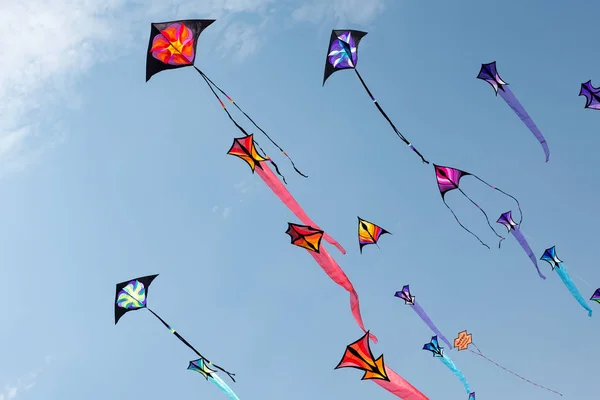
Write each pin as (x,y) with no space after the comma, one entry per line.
(23,384)
(339,11)
(225,213)
(63,40)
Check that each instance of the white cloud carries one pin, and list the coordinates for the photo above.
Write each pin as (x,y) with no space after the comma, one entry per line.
(226,212)
(339,12)
(48,44)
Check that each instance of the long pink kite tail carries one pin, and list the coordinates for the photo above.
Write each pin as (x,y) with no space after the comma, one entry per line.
(285,196)
(400,386)
(337,274)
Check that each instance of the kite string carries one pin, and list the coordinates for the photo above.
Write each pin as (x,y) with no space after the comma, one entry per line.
(388,118)
(174,332)
(506,194)
(479,353)
(484,213)
(236,124)
(251,120)
(460,223)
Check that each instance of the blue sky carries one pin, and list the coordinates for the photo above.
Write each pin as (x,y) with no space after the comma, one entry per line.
(106,178)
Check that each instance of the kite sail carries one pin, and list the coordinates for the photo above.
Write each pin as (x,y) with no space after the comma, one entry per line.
(245,149)
(592,95)
(310,238)
(465,339)
(434,347)
(342,53)
(596,296)
(448,179)
(506,220)
(359,355)
(200,366)
(472,396)
(173,45)
(551,258)
(369,233)
(489,74)
(132,295)
(409,299)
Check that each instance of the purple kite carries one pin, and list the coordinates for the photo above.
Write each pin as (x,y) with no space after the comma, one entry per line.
(342,54)
(596,296)
(489,74)
(409,299)
(506,220)
(592,95)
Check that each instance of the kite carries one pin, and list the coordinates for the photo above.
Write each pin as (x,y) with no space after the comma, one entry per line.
(342,53)
(245,149)
(369,233)
(310,238)
(409,299)
(489,74)
(592,95)
(557,265)
(132,295)
(200,366)
(465,339)
(472,396)
(173,45)
(506,220)
(596,296)
(438,351)
(359,355)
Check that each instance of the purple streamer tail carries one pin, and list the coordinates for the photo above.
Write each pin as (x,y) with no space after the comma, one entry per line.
(512,101)
(421,313)
(523,242)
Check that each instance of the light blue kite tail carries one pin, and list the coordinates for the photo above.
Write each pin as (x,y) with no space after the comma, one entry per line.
(564,275)
(216,379)
(450,364)
(512,101)
(421,313)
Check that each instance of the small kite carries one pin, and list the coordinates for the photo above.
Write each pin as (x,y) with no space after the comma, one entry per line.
(489,74)
(132,295)
(310,238)
(596,296)
(245,149)
(557,265)
(369,233)
(342,53)
(506,220)
(172,45)
(438,351)
(465,339)
(409,299)
(359,355)
(472,396)
(200,366)
(592,95)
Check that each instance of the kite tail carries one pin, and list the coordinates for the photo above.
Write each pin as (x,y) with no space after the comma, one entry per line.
(450,364)
(421,313)
(399,386)
(460,223)
(480,354)
(564,275)
(388,118)
(174,332)
(485,215)
(337,274)
(506,194)
(284,195)
(523,242)
(216,379)
(512,101)
(264,154)
(210,82)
